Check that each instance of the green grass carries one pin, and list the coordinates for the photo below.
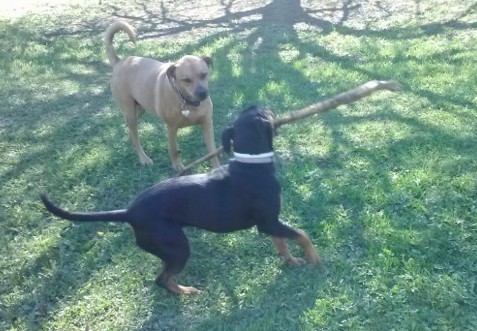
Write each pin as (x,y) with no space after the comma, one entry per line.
(386,187)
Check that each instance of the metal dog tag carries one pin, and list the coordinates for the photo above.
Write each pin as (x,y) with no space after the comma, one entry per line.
(185,113)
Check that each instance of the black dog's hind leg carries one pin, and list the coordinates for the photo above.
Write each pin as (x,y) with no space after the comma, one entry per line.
(170,244)
(280,232)
(305,243)
(165,279)
(282,249)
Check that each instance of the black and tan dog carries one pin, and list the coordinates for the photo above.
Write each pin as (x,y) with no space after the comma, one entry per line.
(240,195)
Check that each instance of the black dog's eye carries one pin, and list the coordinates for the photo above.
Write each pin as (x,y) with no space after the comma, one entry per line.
(187,80)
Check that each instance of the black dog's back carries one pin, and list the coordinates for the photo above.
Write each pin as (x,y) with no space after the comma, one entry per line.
(218,202)
(222,201)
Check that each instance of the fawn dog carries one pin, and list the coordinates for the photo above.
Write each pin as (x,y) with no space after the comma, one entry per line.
(176,92)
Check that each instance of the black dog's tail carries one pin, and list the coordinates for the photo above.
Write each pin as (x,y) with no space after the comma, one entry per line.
(102,216)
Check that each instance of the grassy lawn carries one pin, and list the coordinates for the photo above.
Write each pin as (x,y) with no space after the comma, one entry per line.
(386,187)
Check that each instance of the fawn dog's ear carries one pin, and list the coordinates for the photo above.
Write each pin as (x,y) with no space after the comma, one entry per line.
(208,61)
(171,71)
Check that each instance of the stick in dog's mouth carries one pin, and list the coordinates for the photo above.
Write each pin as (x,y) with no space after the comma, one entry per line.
(338,100)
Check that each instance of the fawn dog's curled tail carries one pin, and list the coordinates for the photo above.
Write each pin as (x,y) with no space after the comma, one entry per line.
(109,36)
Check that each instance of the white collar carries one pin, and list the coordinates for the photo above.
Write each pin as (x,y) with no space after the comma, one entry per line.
(254,158)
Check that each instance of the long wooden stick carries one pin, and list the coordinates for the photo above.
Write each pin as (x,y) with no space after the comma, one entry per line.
(338,100)
(207,157)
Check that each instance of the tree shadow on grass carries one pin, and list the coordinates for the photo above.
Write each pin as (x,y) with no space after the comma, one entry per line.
(280,17)
(46,139)
(263,31)
(417,229)
(59,273)
(159,21)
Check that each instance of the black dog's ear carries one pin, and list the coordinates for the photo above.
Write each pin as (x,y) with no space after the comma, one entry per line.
(171,71)
(264,131)
(227,137)
(208,61)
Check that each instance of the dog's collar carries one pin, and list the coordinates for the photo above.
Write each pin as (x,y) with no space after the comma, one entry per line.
(254,158)
(184,101)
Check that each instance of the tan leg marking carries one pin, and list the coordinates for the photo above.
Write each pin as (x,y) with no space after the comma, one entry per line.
(282,248)
(305,243)
(310,251)
(179,289)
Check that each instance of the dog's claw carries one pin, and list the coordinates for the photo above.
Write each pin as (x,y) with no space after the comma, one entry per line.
(296,261)
(173,287)
(187,290)
(145,160)
(178,167)
(315,261)
(313,258)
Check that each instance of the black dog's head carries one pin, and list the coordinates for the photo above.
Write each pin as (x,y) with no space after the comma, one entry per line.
(251,133)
